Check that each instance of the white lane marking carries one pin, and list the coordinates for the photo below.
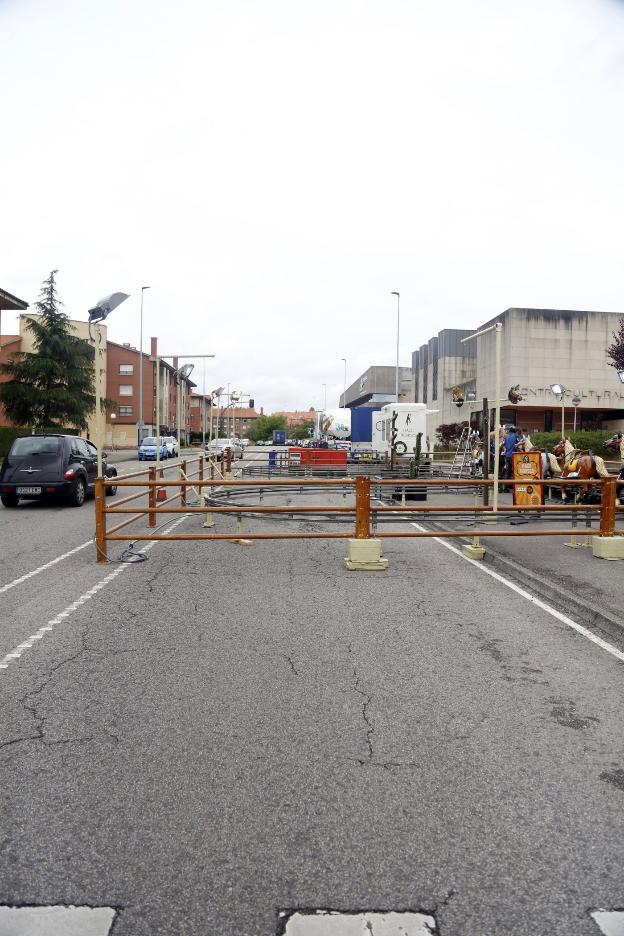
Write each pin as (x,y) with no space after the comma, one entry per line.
(48,565)
(603,644)
(60,920)
(610,922)
(333,923)
(62,615)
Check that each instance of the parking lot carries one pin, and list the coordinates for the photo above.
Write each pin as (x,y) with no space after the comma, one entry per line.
(221,736)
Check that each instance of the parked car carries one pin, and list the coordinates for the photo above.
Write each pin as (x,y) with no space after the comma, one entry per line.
(172,446)
(244,442)
(44,466)
(147,449)
(219,446)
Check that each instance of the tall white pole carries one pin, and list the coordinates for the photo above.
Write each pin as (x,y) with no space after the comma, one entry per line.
(398,295)
(179,410)
(204,404)
(563,416)
(140,413)
(157,434)
(98,397)
(498,331)
(344,393)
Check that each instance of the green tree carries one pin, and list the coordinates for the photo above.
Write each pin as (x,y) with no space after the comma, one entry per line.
(615,351)
(263,427)
(52,387)
(300,431)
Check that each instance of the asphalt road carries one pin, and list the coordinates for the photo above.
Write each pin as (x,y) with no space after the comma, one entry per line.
(225,732)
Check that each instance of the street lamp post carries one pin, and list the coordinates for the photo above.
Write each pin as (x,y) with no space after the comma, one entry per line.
(113,418)
(157,361)
(576,402)
(497,328)
(140,414)
(181,374)
(215,393)
(398,295)
(344,394)
(324,397)
(560,390)
(97,315)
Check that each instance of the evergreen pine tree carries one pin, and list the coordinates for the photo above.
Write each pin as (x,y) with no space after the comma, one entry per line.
(54,386)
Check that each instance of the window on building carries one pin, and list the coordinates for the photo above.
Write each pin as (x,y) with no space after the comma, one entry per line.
(126,390)
(548,420)
(126,410)
(126,369)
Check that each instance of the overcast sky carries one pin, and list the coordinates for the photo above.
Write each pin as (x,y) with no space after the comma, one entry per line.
(272,169)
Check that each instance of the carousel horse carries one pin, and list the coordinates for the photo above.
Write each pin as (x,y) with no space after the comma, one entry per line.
(578,464)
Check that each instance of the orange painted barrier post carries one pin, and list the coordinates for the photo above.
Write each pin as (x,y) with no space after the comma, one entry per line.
(100,520)
(607,545)
(183,489)
(362,508)
(607,507)
(151,496)
(364,552)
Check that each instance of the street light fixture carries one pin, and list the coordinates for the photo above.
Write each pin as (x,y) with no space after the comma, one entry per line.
(113,418)
(96,315)
(181,374)
(215,393)
(560,390)
(398,295)
(140,413)
(157,359)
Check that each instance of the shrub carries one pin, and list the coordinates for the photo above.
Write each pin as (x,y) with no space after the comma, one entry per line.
(449,434)
(593,440)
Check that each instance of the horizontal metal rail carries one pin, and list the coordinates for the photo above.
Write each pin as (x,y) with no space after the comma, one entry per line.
(363,510)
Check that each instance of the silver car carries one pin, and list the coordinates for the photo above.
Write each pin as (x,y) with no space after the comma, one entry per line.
(219,446)
(172,446)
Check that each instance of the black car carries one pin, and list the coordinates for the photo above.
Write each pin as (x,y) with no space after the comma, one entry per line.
(42,466)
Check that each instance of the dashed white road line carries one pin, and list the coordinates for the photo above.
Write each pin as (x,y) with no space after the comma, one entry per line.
(603,644)
(48,565)
(65,613)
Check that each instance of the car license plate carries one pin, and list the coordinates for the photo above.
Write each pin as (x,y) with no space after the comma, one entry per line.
(28,490)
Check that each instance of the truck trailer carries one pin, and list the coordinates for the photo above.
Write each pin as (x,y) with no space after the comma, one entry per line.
(411,418)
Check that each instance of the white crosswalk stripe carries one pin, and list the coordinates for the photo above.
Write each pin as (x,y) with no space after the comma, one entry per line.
(610,922)
(332,923)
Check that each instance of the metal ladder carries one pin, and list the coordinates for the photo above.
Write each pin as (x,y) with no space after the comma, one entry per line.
(463,454)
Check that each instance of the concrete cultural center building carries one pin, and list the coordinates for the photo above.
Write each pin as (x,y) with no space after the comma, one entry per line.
(540,347)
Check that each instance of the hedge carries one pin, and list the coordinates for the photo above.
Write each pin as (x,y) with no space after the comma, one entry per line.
(9,433)
(589,439)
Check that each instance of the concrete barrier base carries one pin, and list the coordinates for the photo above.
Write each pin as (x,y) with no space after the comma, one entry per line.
(473,552)
(608,547)
(364,555)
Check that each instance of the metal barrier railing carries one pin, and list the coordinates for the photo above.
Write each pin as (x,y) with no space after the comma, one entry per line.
(363,511)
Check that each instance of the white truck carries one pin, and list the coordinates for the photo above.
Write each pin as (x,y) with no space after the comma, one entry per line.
(411,418)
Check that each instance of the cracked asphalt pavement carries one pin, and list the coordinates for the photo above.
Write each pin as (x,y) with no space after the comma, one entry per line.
(226,732)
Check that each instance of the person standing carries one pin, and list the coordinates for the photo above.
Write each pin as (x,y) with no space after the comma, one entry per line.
(511,441)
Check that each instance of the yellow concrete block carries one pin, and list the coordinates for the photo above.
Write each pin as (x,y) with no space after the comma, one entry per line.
(364,555)
(608,547)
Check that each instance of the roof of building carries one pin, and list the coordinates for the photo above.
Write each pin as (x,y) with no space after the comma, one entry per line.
(7,301)
(9,339)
